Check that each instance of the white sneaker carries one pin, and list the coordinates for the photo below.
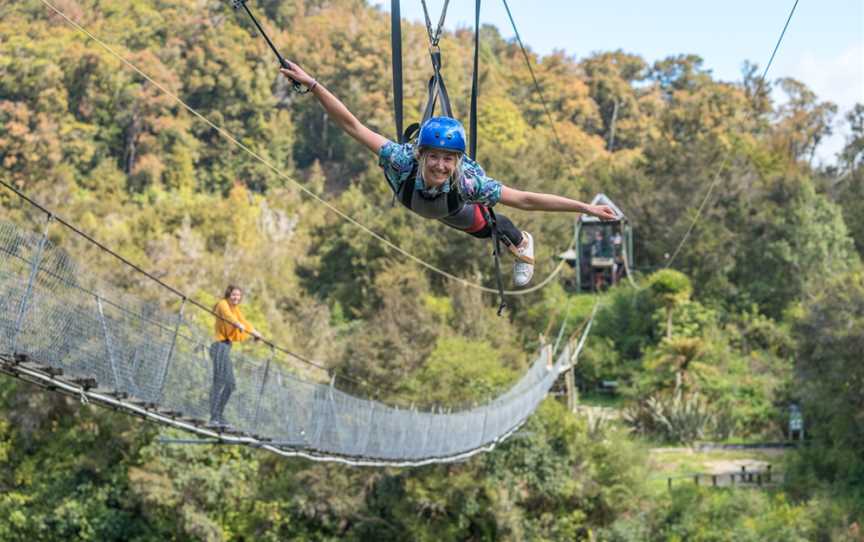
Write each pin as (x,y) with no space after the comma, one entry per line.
(523,269)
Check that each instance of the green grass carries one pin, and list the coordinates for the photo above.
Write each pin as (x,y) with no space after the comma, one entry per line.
(684,462)
(602,400)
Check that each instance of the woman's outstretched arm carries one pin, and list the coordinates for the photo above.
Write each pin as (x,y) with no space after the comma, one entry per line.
(336,110)
(534,201)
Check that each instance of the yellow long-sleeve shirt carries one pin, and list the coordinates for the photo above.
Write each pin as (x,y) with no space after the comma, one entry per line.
(226,315)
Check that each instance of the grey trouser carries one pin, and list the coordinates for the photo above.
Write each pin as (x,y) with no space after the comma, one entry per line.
(223,379)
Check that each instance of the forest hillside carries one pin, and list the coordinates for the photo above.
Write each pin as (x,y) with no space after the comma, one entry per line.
(741,308)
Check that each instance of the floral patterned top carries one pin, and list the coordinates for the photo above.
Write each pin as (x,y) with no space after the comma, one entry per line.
(397,161)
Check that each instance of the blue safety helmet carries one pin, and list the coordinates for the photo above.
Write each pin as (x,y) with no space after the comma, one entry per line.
(442,133)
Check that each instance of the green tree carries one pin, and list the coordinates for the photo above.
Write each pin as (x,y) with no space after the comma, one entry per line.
(804,121)
(796,239)
(848,189)
(830,378)
(669,289)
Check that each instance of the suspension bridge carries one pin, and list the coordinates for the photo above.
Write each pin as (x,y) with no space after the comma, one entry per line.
(65,326)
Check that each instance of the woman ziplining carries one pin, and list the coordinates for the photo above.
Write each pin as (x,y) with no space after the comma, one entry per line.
(435,179)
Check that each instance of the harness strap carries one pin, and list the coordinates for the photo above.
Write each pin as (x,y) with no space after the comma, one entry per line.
(437,92)
(406,190)
(434,35)
(489,214)
(525,259)
(437,89)
(396,55)
(475,85)
(406,193)
(396,61)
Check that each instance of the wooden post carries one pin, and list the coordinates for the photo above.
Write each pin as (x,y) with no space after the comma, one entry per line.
(696,479)
(570,383)
(669,483)
(577,229)
(768,474)
(714,480)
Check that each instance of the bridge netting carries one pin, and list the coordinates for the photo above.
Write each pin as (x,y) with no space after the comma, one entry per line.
(151,348)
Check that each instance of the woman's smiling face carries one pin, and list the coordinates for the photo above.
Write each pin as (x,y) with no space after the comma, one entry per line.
(438,166)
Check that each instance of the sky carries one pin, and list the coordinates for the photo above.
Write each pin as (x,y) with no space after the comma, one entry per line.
(823,46)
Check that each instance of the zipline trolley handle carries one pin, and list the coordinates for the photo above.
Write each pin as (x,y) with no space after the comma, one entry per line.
(237,4)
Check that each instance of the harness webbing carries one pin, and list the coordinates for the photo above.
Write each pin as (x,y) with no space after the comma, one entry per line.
(437,89)
(489,214)
(406,193)
(435,35)
(496,253)
(396,55)
(437,93)
(475,85)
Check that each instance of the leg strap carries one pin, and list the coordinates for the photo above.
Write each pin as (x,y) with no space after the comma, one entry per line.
(490,217)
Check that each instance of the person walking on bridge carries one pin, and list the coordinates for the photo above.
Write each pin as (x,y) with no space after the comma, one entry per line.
(230,326)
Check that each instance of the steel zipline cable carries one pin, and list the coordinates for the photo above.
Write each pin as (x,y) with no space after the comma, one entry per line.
(534,78)
(779,40)
(728,156)
(717,174)
(348,218)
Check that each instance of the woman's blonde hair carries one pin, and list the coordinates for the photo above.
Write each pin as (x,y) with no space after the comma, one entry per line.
(458,171)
